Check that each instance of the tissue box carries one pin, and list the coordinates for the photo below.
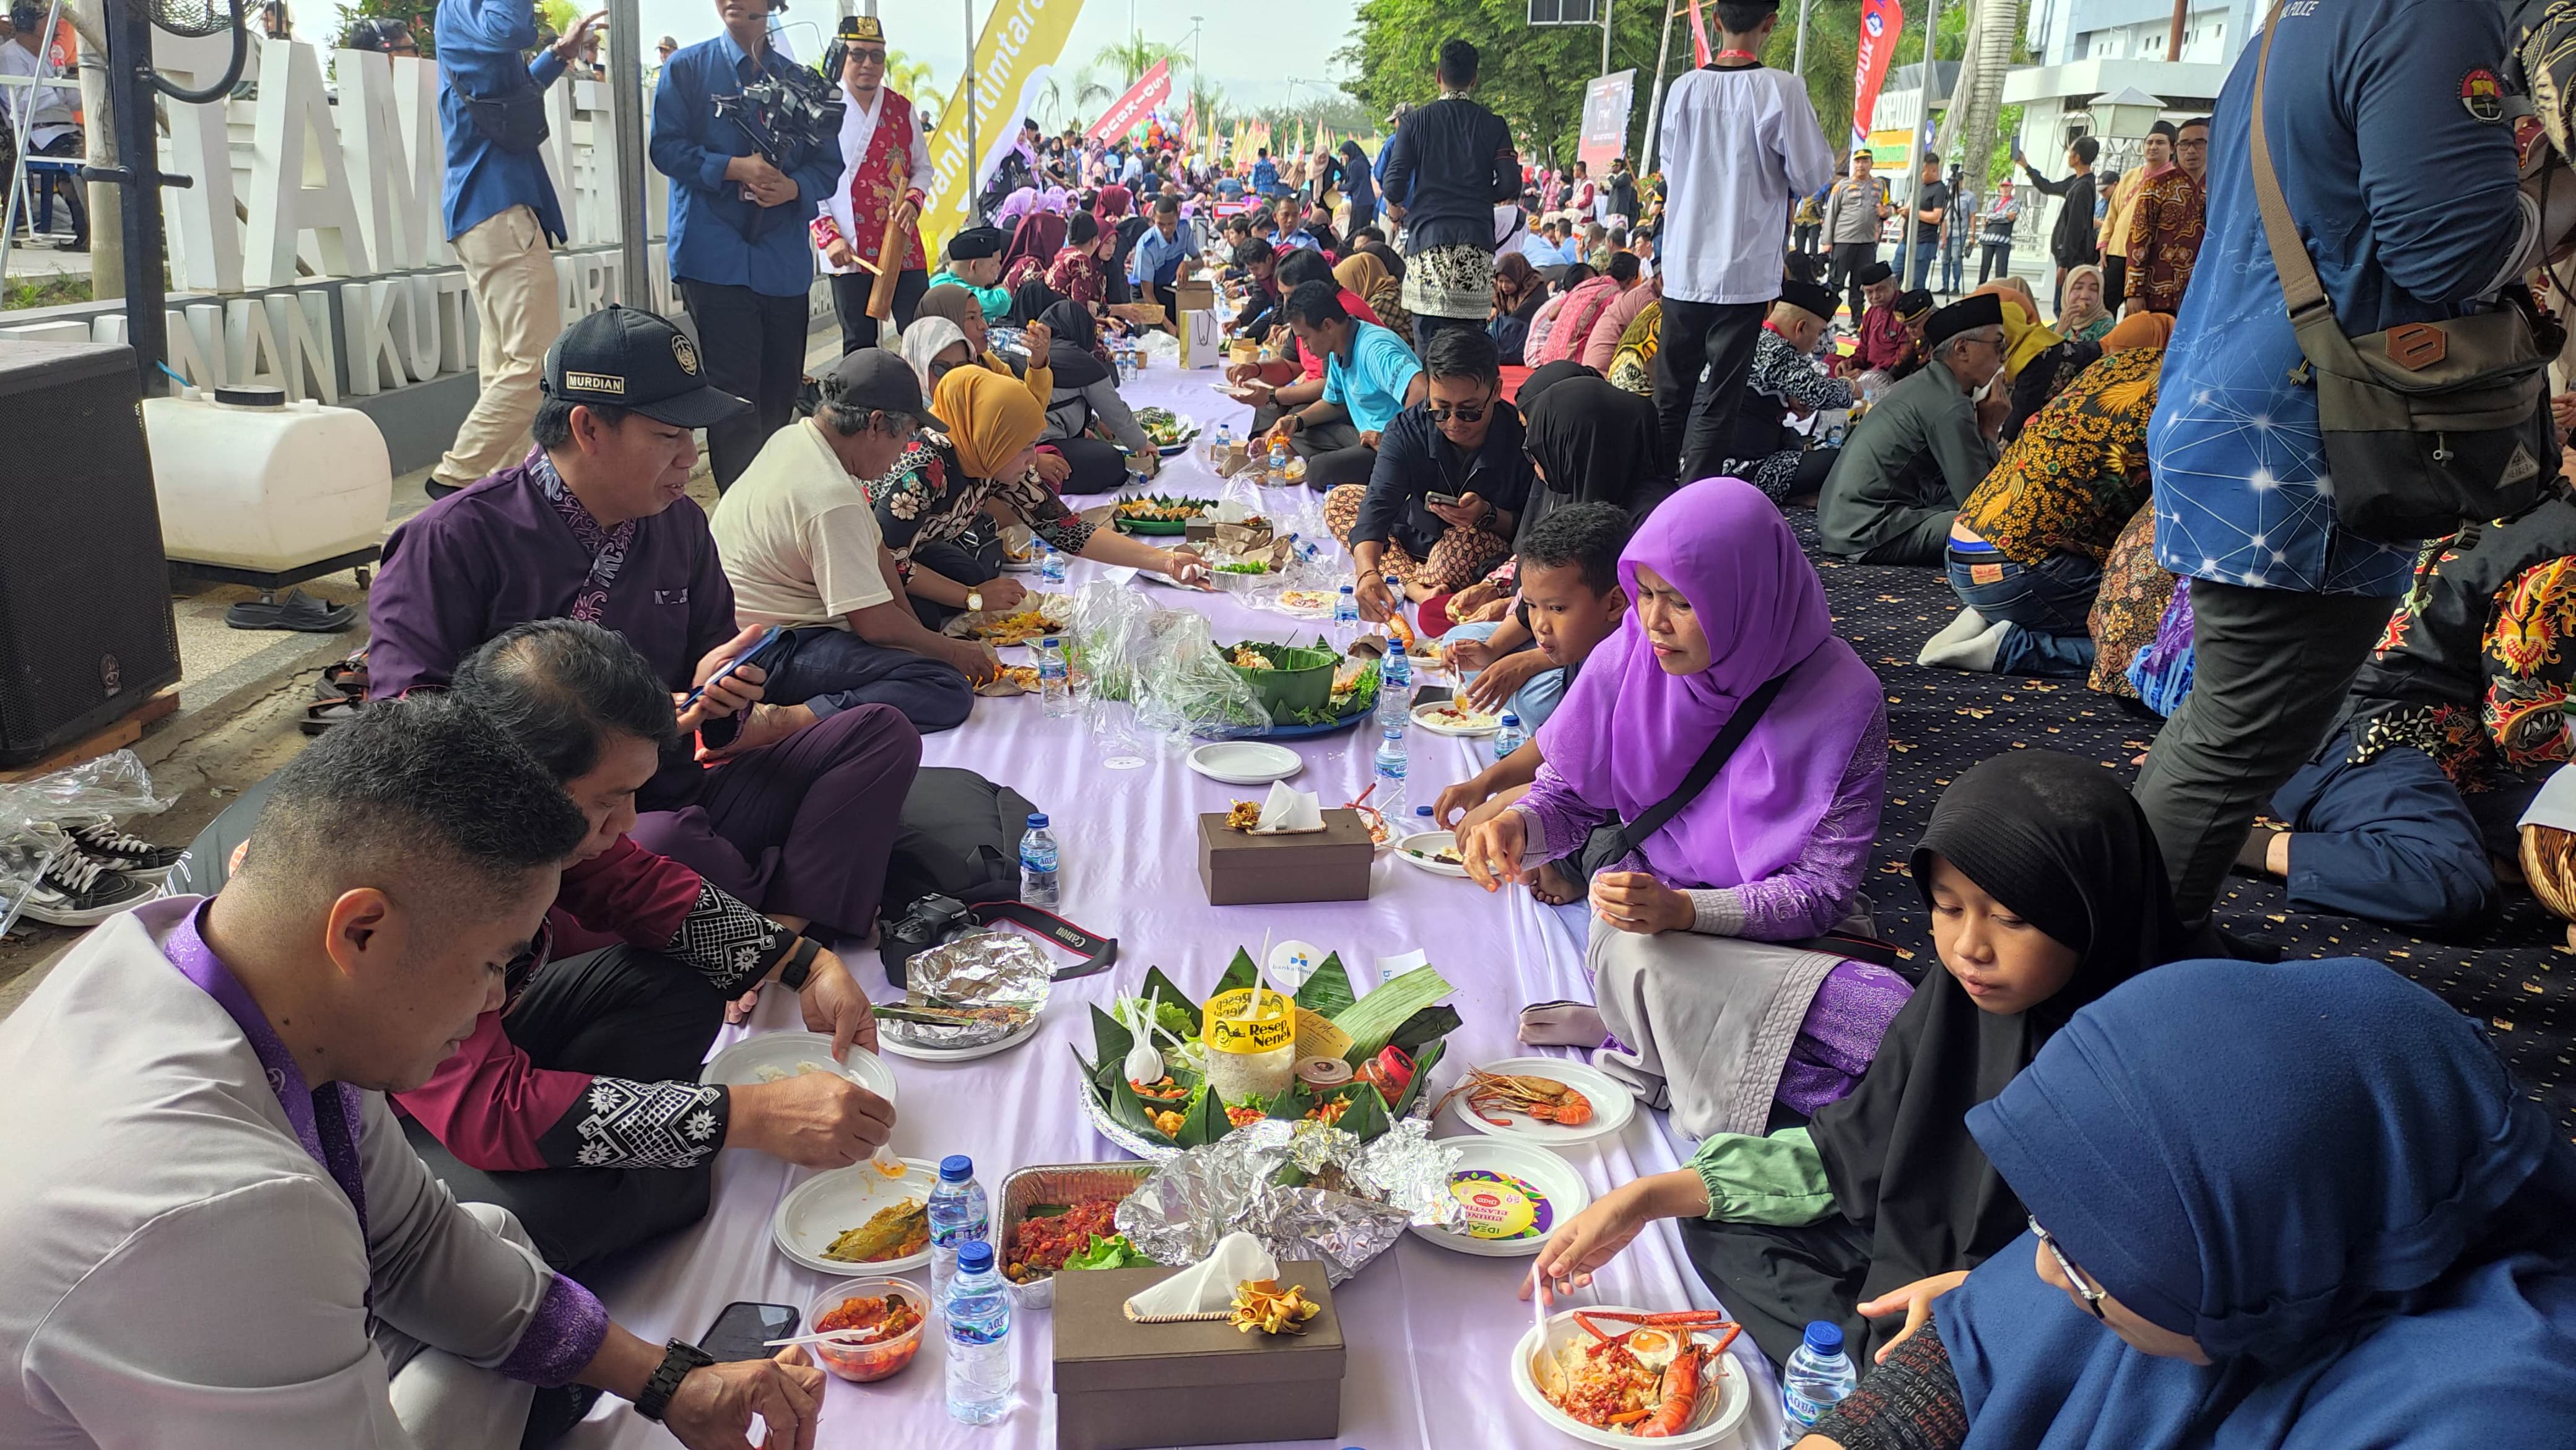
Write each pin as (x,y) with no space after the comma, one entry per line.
(1240,869)
(1122,1386)
(1194,294)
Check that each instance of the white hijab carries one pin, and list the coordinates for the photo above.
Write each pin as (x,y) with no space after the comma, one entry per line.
(925,340)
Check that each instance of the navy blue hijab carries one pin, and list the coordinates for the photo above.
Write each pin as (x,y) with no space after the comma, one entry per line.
(2321,1173)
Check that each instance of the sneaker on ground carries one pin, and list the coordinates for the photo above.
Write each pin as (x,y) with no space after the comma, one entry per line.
(77,891)
(132,855)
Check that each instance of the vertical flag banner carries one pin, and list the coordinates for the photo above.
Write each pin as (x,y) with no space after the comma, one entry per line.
(1019,44)
(1700,48)
(1881,21)
(1151,89)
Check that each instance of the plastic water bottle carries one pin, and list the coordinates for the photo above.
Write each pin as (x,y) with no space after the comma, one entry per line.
(1394,686)
(1818,1375)
(1423,820)
(1279,462)
(1038,883)
(1346,618)
(1395,596)
(1389,795)
(977,1309)
(1050,562)
(959,1215)
(1055,679)
(1223,448)
(1509,738)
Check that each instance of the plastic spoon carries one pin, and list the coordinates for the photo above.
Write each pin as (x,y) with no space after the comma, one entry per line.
(1143,1064)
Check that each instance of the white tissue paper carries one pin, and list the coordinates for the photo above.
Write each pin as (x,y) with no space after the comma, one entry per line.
(1207,1288)
(2555,806)
(1289,812)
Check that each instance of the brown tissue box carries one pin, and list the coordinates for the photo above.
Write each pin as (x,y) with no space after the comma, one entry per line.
(1193,295)
(1120,1385)
(1242,869)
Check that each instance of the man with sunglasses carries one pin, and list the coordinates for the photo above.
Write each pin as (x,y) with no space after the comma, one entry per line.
(885,175)
(799,541)
(1910,464)
(1451,477)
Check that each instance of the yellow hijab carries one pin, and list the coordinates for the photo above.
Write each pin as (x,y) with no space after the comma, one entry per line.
(1362,273)
(2139,329)
(990,418)
(2024,336)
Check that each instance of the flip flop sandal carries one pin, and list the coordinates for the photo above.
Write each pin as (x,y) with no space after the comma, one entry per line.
(297,611)
(325,715)
(347,677)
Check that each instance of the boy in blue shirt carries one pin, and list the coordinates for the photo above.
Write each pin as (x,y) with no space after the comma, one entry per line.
(1370,375)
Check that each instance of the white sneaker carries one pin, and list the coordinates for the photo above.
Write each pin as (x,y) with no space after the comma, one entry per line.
(77,891)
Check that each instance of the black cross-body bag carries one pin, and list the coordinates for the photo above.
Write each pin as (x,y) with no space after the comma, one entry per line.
(1608,845)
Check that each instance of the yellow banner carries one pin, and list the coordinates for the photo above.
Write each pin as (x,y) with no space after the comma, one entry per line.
(1021,40)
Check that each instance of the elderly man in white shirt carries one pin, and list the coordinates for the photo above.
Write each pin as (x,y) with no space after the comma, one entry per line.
(218,1236)
(1739,141)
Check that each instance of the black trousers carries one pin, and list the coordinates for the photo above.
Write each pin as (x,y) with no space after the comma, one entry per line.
(1334,455)
(1802,238)
(2269,672)
(2115,283)
(1425,327)
(1844,276)
(1997,263)
(618,1012)
(850,303)
(752,345)
(1719,336)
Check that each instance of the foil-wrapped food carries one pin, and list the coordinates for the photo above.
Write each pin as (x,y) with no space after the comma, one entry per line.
(1304,1189)
(969,992)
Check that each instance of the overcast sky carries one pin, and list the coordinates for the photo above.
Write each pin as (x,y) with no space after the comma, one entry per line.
(1247,47)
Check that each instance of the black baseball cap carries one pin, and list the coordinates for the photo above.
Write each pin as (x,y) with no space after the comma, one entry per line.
(626,357)
(878,380)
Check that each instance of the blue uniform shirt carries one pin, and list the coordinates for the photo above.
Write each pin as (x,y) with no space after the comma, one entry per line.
(717,236)
(480,45)
(1158,261)
(2407,202)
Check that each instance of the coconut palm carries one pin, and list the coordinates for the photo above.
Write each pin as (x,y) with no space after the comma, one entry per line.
(909,76)
(1130,58)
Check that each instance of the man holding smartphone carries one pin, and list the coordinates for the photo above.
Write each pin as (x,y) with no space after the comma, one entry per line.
(1452,475)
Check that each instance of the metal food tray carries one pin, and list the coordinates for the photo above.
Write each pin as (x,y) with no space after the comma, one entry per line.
(1066,1183)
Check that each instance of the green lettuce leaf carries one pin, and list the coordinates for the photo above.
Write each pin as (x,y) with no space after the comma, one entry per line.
(1112,1252)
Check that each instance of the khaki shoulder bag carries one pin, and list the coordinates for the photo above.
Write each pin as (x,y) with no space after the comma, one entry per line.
(2426,425)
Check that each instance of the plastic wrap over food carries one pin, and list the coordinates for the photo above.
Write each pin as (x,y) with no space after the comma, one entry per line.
(1189,691)
(1354,1203)
(1001,975)
(1111,627)
(33,815)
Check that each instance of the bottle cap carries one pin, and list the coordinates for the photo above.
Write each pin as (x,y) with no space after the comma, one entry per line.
(1346,589)
(1824,1336)
(956,1168)
(975,1258)
(1394,647)
(1395,733)
(1037,820)
(1422,810)
(1511,719)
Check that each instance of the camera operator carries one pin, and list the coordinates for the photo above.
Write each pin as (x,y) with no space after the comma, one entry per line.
(739,249)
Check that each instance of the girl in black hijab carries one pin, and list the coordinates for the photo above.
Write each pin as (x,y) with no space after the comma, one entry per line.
(1592,442)
(2046,891)
(1087,422)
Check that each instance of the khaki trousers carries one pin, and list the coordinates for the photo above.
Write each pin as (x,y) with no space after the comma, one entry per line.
(512,273)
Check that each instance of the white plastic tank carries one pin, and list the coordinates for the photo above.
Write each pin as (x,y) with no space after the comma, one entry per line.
(248,480)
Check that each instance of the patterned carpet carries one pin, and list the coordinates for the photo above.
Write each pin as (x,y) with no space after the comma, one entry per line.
(2513,971)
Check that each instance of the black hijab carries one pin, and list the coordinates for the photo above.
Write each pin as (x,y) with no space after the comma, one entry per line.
(1597,443)
(1543,378)
(2058,842)
(1030,300)
(1070,354)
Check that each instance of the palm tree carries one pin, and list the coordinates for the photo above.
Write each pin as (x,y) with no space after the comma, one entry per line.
(909,76)
(1132,57)
(1968,128)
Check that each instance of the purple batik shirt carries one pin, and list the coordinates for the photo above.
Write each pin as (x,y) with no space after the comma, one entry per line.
(500,553)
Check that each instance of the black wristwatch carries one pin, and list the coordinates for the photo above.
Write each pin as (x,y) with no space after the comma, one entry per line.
(678,1359)
(799,964)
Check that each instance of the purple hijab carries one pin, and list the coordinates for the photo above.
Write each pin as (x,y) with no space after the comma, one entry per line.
(1627,732)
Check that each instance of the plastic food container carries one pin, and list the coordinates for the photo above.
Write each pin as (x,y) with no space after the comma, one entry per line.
(1066,1183)
(864,1362)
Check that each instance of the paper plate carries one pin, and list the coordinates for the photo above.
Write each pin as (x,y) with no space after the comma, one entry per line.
(742,1064)
(1718,1415)
(1245,762)
(1519,1194)
(893,1046)
(1428,844)
(828,1205)
(1611,1104)
(1429,717)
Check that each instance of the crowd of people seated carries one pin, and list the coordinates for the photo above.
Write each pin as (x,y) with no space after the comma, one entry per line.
(474,944)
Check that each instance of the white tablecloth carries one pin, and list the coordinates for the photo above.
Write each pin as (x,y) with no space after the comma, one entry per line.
(1429,1331)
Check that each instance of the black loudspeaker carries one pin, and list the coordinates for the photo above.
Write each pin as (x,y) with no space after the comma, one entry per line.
(85,629)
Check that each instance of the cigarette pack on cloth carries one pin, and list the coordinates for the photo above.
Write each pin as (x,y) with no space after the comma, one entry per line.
(1120,1385)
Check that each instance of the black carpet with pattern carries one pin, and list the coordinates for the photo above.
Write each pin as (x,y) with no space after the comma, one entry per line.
(2513,971)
